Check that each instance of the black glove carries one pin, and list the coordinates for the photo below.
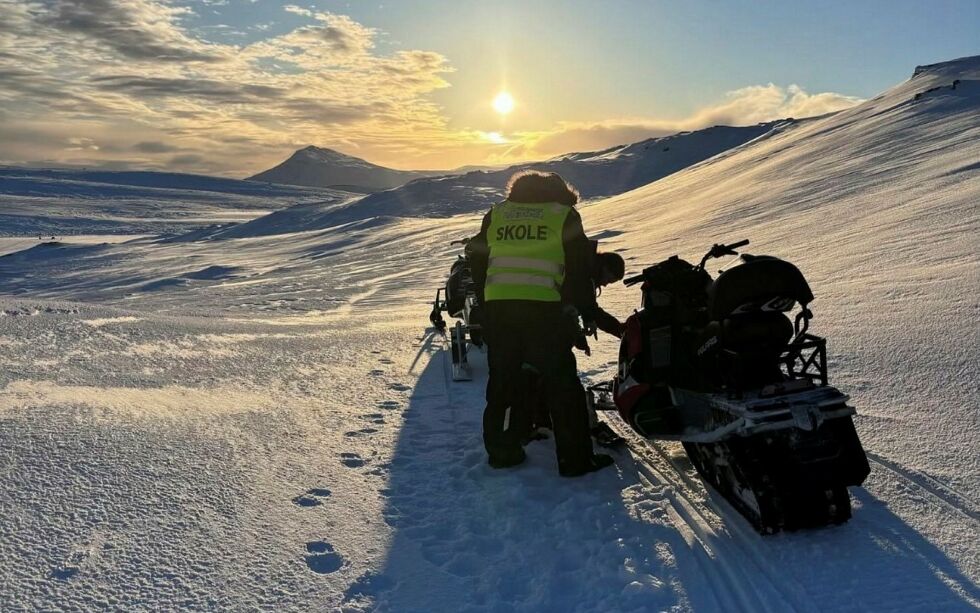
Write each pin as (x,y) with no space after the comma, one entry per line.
(589,329)
(583,345)
(619,330)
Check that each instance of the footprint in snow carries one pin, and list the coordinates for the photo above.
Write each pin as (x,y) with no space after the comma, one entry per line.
(389,404)
(312,497)
(65,573)
(399,387)
(352,460)
(377,372)
(323,559)
(386,361)
(361,432)
(368,585)
(374,418)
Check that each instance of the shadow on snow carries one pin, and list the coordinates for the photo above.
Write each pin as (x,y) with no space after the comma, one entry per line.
(469,538)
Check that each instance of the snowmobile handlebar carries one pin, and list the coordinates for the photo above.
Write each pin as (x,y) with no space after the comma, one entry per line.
(716,251)
(628,281)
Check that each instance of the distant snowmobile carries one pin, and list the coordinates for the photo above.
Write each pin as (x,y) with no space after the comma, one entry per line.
(718,365)
(459,298)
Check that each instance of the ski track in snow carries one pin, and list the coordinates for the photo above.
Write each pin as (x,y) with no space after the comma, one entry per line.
(774,571)
(252,420)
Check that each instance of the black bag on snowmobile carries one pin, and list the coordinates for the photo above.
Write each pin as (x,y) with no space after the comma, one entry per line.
(652,353)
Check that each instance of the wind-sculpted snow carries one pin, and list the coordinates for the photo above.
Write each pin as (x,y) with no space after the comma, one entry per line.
(265,422)
(69,202)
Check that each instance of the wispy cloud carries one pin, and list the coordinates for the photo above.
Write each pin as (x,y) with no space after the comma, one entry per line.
(745,106)
(90,67)
(135,29)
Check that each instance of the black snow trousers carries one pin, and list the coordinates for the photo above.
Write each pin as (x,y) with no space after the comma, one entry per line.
(525,335)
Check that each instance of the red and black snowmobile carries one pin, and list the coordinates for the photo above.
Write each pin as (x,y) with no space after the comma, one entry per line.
(718,365)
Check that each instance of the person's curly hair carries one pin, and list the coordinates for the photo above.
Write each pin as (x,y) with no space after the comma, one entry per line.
(613,262)
(531,186)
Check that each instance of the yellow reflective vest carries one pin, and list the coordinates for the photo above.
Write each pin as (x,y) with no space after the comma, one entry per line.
(526,251)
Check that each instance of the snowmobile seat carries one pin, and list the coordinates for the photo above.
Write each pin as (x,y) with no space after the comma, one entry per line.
(749,345)
(459,275)
(765,332)
(759,282)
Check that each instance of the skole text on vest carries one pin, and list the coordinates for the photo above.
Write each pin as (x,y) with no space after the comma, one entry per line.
(522,232)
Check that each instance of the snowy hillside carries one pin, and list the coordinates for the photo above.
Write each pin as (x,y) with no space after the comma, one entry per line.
(265,422)
(70,202)
(595,174)
(320,167)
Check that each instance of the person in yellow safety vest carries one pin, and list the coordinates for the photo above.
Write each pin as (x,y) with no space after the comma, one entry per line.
(532,250)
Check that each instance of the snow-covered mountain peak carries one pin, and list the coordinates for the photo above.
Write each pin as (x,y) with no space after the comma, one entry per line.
(321,167)
(329,156)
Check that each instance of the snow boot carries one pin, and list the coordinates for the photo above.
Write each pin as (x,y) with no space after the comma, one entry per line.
(605,436)
(598,461)
(506,460)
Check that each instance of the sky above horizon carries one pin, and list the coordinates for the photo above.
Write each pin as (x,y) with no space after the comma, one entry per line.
(232,87)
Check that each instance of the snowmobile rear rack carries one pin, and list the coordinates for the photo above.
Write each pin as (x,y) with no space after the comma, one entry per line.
(804,354)
(707,418)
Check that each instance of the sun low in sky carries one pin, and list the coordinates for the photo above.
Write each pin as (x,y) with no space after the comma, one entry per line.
(503,103)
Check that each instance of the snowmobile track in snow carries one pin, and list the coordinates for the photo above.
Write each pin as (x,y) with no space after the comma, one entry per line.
(725,563)
(946,495)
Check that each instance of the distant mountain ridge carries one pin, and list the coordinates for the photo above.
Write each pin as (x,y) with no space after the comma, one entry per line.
(321,167)
(595,174)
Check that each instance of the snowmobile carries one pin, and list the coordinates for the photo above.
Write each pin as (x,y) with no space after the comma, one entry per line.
(459,298)
(719,365)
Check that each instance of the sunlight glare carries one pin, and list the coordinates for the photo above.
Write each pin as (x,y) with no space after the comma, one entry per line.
(503,103)
(495,137)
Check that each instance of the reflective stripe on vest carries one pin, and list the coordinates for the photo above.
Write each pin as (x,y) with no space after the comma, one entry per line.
(516,278)
(545,266)
(527,251)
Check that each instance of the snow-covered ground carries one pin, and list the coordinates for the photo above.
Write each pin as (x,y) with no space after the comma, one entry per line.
(262,420)
(74,202)
(13,244)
